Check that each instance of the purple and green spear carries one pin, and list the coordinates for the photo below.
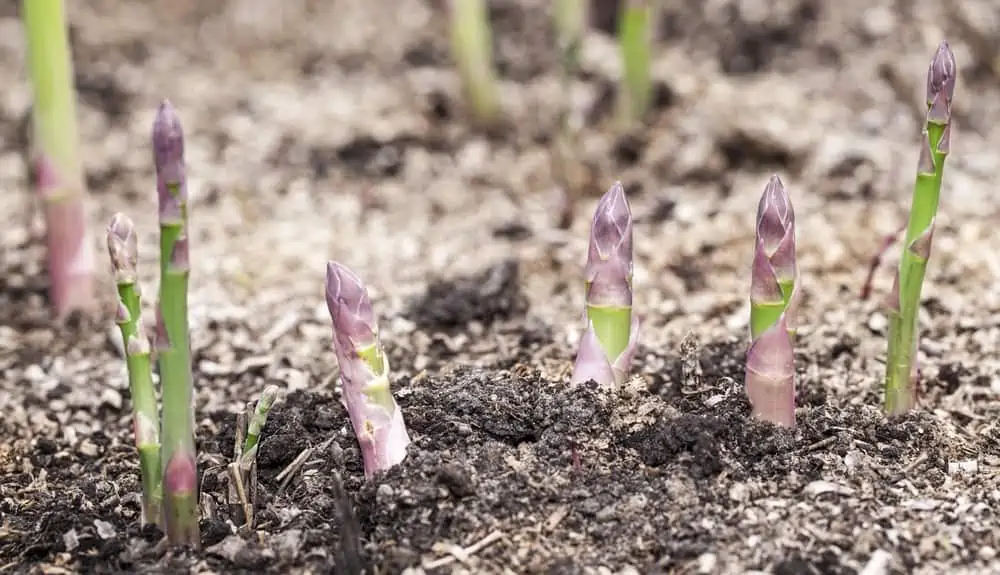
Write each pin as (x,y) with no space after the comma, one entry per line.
(774,293)
(178,457)
(901,363)
(607,346)
(56,155)
(364,372)
(123,249)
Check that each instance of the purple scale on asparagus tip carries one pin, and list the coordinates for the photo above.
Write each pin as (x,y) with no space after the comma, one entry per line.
(892,298)
(925,165)
(610,234)
(180,475)
(941,75)
(770,375)
(123,247)
(764,287)
(137,345)
(122,315)
(944,144)
(591,363)
(350,306)
(168,157)
(921,245)
(160,331)
(180,257)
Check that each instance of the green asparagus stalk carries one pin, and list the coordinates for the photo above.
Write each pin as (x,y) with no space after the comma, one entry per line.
(56,157)
(180,496)
(123,249)
(472,49)
(635,39)
(257,423)
(901,367)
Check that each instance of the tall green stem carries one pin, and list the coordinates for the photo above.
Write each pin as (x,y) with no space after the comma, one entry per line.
(472,48)
(635,37)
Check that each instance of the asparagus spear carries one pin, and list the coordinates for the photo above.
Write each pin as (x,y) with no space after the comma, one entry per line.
(123,249)
(770,365)
(472,49)
(635,38)
(178,456)
(58,171)
(364,372)
(612,332)
(901,365)
(257,423)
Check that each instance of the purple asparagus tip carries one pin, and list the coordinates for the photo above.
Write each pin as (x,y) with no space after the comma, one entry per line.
(180,257)
(941,74)
(611,236)
(123,247)
(168,157)
(776,228)
(350,306)
(770,375)
(941,77)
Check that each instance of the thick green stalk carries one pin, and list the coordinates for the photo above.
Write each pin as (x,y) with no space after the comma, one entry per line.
(570,17)
(912,267)
(180,503)
(903,329)
(613,326)
(58,168)
(635,37)
(472,49)
(180,475)
(140,377)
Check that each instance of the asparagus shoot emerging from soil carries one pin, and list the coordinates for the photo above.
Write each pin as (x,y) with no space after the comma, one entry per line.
(257,422)
(364,372)
(472,49)
(635,38)
(770,367)
(56,157)
(122,247)
(180,496)
(901,368)
(607,347)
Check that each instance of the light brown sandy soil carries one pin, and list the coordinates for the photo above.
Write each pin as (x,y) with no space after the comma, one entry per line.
(334,130)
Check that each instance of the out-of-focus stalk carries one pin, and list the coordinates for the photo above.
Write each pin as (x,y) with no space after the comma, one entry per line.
(364,372)
(472,49)
(123,249)
(180,475)
(774,295)
(56,157)
(612,330)
(901,361)
(635,36)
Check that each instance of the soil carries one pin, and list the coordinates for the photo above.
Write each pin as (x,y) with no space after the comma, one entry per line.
(336,130)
